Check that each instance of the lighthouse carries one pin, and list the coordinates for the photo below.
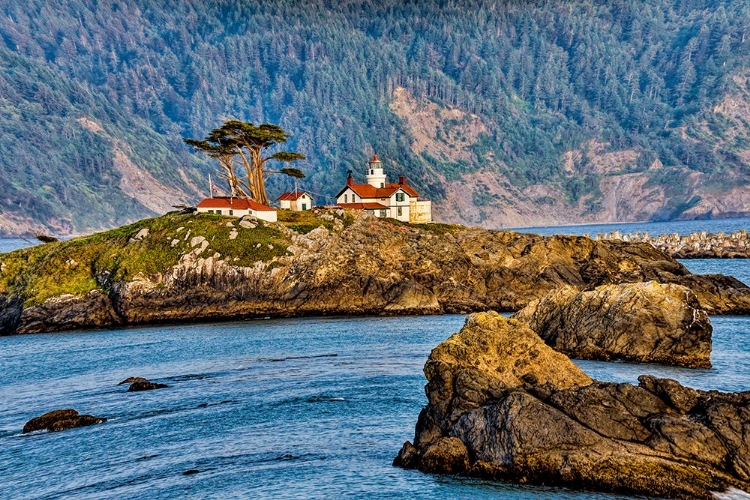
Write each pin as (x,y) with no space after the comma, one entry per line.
(375,174)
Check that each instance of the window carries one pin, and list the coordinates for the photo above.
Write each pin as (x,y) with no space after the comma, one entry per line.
(383,213)
(372,171)
(400,211)
(399,197)
(382,185)
(231,212)
(346,198)
(218,212)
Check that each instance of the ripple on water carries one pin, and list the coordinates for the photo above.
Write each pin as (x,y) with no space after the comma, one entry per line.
(254,428)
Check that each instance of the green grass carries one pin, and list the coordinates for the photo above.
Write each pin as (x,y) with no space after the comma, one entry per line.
(307,220)
(100,260)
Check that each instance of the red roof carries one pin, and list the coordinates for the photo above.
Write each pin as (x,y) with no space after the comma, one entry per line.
(368,191)
(235,204)
(291,196)
(363,206)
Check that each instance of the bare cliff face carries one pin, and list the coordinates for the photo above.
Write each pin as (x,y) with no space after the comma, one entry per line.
(503,405)
(181,266)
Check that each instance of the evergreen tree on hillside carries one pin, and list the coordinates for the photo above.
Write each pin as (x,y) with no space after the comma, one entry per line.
(544,79)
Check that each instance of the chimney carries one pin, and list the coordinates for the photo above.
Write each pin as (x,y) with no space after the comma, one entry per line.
(350,179)
(401,180)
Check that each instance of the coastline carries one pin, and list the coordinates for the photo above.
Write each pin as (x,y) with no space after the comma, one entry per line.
(187,267)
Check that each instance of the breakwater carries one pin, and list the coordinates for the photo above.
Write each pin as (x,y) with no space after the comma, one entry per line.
(703,245)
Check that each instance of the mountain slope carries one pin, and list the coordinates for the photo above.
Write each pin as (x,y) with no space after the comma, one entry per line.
(504,114)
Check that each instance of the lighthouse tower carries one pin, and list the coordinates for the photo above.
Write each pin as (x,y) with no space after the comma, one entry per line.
(375,173)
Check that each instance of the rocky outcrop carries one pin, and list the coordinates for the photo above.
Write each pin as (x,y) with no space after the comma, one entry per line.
(644,322)
(131,380)
(701,245)
(11,308)
(366,266)
(138,384)
(145,385)
(60,420)
(68,312)
(503,405)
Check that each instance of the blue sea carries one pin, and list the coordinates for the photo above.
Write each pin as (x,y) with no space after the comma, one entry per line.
(280,408)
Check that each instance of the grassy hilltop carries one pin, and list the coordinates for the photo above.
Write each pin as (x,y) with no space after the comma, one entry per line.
(95,262)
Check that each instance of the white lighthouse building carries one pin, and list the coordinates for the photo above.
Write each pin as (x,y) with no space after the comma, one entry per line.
(375,173)
(383,199)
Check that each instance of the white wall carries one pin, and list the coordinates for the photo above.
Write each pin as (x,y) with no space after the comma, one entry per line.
(421,211)
(351,196)
(265,215)
(404,205)
(296,205)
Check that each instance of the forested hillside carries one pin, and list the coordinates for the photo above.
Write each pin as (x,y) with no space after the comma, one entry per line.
(503,113)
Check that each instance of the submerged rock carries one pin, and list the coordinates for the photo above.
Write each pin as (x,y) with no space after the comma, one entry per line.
(141,384)
(644,322)
(60,420)
(130,380)
(504,405)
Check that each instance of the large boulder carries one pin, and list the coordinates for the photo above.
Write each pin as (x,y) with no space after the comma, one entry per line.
(504,405)
(644,322)
(60,420)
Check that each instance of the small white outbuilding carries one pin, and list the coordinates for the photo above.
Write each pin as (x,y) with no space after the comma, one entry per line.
(237,207)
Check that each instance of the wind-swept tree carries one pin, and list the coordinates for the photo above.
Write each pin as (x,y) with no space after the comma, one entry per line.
(250,143)
(219,148)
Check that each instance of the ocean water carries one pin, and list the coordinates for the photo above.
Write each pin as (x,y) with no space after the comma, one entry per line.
(288,408)
(281,408)
(10,244)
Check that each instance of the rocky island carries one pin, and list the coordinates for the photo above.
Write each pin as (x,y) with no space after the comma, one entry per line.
(184,266)
(504,405)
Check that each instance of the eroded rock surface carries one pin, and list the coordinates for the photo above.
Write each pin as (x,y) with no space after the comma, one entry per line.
(644,322)
(366,266)
(503,405)
(60,420)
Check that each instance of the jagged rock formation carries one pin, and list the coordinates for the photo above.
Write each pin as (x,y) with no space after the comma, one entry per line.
(503,405)
(701,245)
(187,267)
(644,322)
(60,420)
